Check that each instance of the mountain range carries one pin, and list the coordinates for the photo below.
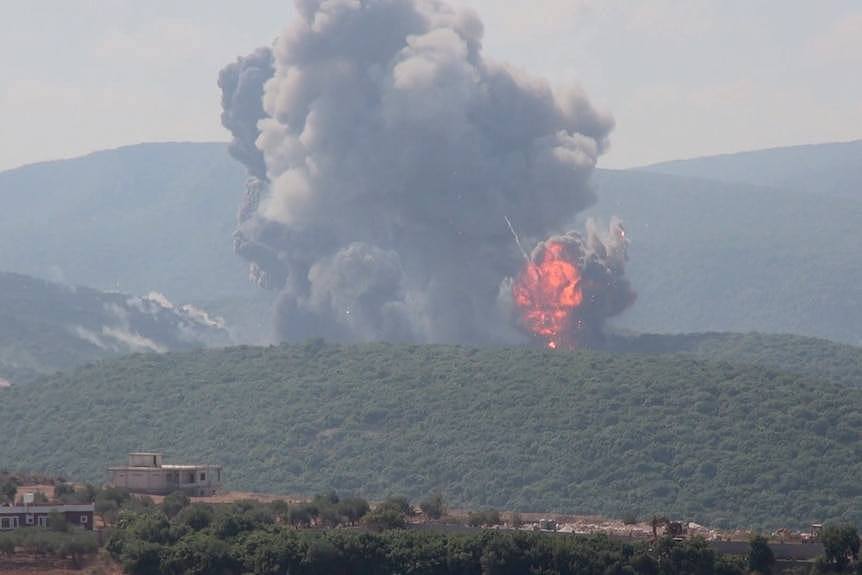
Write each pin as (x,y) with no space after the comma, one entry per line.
(762,241)
(759,241)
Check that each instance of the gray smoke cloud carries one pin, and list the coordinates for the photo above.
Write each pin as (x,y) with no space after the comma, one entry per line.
(384,153)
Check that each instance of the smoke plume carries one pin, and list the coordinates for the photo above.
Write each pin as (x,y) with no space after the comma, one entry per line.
(384,154)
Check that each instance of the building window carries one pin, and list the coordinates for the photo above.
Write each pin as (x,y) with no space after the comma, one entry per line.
(7,523)
(43,521)
(28,519)
(203,476)
(84,519)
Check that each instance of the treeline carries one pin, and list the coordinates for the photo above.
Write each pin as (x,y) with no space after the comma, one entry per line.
(254,538)
(330,534)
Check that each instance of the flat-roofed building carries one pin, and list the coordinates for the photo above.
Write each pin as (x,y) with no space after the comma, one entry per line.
(29,514)
(147,473)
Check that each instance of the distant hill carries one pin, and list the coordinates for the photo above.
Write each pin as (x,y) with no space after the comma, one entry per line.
(135,219)
(712,256)
(821,169)
(45,327)
(523,429)
(706,255)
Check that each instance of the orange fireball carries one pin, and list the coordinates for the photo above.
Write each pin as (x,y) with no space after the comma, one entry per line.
(547,291)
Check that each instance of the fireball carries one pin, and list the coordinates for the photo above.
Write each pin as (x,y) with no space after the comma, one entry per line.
(547,292)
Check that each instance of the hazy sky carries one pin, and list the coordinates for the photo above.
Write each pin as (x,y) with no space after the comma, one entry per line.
(681,77)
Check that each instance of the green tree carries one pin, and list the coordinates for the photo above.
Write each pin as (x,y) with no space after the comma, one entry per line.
(8,490)
(384,518)
(644,564)
(692,557)
(840,546)
(280,509)
(109,502)
(174,503)
(761,559)
(77,546)
(433,506)
(196,516)
(400,504)
(199,553)
(352,509)
(7,545)
(299,515)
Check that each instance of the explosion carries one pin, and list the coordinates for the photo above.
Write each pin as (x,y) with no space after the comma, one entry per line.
(546,292)
(383,151)
(570,285)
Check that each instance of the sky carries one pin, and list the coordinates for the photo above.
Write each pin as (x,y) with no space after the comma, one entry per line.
(682,78)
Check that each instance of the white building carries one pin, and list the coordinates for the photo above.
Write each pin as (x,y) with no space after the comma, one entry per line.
(146,473)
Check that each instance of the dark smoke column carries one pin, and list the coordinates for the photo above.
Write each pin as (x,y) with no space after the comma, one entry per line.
(241,85)
(385,153)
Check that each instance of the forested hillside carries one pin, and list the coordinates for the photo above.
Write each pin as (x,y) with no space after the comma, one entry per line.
(816,358)
(587,432)
(45,327)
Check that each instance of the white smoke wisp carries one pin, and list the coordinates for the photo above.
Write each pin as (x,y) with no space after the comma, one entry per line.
(91,337)
(187,313)
(385,152)
(123,334)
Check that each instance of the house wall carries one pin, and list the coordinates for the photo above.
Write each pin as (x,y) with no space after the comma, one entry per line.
(165,480)
(143,480)
(28,516)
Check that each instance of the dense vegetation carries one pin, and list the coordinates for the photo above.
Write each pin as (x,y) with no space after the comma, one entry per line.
(253,539)
(515,429)
(816,358)
(333,534)
(705,255)
(45,327)
(73,543)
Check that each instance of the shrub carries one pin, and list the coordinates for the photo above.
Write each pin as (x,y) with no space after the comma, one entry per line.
(174,503)
(384,518)
(433,506)
(760,557)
